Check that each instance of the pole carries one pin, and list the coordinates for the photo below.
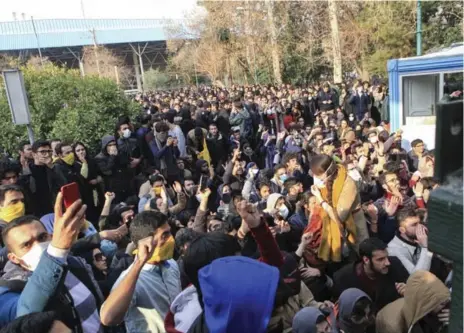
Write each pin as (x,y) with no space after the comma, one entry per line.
(30,133)
(37,40)
(195,66)
(419,28)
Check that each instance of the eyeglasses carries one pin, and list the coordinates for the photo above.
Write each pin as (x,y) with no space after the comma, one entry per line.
(45,152)
(99,257)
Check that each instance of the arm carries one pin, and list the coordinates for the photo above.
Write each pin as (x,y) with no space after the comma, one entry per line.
(424,262)
(181,144)
(85,244)
(228,172)
(268,248)
(157,153)
(246,191)
(181,204)
(199,224)
(349,194)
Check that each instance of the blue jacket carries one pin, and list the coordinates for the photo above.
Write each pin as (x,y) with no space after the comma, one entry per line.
(361,105)
(298,221)
(23,292)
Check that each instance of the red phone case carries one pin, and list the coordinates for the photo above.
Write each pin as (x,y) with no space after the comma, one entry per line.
(70,194)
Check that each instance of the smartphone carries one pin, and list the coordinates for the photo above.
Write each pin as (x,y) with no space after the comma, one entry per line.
(70,194)
(203,183)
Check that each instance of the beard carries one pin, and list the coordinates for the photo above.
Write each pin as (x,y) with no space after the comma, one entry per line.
(375,270)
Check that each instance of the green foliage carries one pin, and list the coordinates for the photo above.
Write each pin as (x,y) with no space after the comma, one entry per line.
(66,106)
(156,79)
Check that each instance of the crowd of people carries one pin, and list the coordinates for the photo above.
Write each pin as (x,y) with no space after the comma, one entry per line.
(226,210)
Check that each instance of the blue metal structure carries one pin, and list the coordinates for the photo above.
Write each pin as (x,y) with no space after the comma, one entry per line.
(56,33)
(446,60)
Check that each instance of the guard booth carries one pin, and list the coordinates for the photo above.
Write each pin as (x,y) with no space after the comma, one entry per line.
(416,85)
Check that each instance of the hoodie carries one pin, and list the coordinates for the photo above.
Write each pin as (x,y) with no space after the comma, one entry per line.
(346,303)
(306,319)
(424,293)
(238,294)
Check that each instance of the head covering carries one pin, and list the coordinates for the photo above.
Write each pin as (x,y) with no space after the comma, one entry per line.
(238,294)
(423,293)
(198,132)
(271,202)
(235,129)
(105,142)
(306,319)
(346,303)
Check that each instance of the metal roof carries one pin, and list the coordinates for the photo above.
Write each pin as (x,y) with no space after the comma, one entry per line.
(19,35)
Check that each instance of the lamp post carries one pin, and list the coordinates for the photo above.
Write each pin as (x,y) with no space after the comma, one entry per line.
(419,28)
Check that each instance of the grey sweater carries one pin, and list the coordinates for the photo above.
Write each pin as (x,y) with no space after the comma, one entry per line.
(412,257)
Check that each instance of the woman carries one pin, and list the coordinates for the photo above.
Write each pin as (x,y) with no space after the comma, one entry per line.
(343,129)
(97,260)
(310,320)
(343,221)
(89,182)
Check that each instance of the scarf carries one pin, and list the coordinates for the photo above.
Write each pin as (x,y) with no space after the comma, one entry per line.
(330,241)
(163,165)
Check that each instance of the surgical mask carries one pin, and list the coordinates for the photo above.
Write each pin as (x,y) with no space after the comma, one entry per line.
(69,159)
(255,171)
(126,133)
(226,197)
(355,175)
(9,213)
(318,182)
(162,253)
(32,258)
(351,118)
(283,177)
(283,211)
(374,139)
(198,196)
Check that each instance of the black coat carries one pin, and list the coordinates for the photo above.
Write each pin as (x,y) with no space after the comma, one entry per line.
(217,149)
(385,293)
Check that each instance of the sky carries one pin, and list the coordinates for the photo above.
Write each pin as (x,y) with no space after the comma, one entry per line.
(129,9)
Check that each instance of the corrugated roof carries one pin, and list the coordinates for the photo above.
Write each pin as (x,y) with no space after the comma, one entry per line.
(19,35)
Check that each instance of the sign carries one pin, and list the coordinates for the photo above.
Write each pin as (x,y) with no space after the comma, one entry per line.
(17,97)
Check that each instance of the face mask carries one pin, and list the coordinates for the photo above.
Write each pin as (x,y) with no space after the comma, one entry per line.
(374,139)
(198,196)
(126,133)
(255,171)
(318,182)
(157,190)
(283,178)
(162,253)
(226,197)
(283,211)
(32,258)
(69,159)
(351,118)
(11,212)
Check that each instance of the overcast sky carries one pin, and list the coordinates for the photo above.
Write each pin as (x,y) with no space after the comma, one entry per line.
(49,9)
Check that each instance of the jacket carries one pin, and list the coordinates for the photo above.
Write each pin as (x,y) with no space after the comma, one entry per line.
(412,314)
(22,293)
(243,119)
(361,105)
(217,149)
(114,168)
(327,97)
(385,291)
(412,256)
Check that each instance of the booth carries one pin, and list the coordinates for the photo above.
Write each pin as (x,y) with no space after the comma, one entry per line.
(416,84)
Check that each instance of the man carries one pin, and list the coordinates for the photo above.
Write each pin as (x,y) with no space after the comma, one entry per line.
(11,204)
(142,294)
(241,117)
(25,154)
(361,103)
(416,153)
(66,162)
(279,178)
(165,152)
(59,281)
(391,203)
(9,172)
(53,144)
(294,188)
(44,181)
(410,243)
(216,145)
(220,117)
(114,168)
(378,275)
(127,145)
(327,100)
(176,132)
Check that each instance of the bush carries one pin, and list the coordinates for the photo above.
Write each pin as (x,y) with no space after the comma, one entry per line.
(66,106)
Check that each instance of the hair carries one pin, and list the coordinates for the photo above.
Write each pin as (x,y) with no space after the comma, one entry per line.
(17,222)
(369,245)
(404,214)
(429,182)
(278,167)
(383,177)
(79,143)
(360,305)
(290,182)
(37,322)
(40,143)
(4,189)
(155,178)
(22,144)
(238,104)
(7,166)
(161,127)
(416,142)
(321,164)
(289,156)
(59,146)
(145,224)
(305,198)
(185,236)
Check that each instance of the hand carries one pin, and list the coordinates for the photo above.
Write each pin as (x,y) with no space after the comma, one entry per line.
(109,196)
(264,134)
(163,195)
(316,192)
(112,235)
(169,141)
(93,182)
(281,135)
(236,154)
(284,227)
(372,211)
(308,272)
(67,225)
(145,248)
(205,194)
(260,127)
(249,214)
(306,239)
(392,205)
(444,316)
(23,161)
(327,304)
(422,239)
(418,189)
(134,162)
(177,187)
(400,288)
(130,248)
(129,217)
(175,142)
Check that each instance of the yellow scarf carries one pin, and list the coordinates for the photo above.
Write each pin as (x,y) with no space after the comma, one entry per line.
(9,213)
(204,155)
(85,170)
(162,253)
(331,238)
(69,159)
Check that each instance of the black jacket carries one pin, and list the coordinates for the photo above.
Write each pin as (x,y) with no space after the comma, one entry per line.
(217,149)
(385,293)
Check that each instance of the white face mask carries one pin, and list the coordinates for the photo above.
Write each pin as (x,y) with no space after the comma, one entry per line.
(255,171)
(318,182)
(374,139)
(32,258)
(355,175)
(283,211)
(126,133)
(198,196)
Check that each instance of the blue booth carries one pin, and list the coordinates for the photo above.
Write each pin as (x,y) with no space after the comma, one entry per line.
(416,84)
